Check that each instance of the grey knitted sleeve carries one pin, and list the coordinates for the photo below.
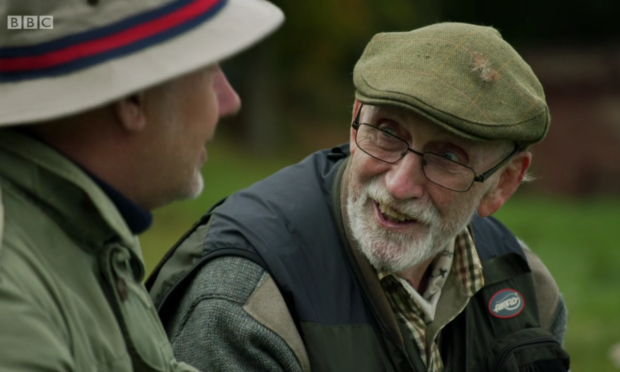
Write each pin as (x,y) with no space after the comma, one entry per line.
(559,322)
(213,331)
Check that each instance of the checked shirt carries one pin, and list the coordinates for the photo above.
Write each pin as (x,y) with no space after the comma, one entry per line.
(416,310)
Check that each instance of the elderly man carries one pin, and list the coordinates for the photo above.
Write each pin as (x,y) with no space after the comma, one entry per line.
(380,255)
(105,117)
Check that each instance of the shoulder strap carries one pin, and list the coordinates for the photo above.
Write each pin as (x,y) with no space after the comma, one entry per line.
(493,239)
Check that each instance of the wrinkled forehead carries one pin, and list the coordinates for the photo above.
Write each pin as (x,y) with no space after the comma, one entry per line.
(372,111)
(409,120)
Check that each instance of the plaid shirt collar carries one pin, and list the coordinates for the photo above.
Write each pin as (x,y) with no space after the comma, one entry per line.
(406,303)
(466,264)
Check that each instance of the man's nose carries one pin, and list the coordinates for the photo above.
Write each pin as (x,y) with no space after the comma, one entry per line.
(405,179)
(228,100)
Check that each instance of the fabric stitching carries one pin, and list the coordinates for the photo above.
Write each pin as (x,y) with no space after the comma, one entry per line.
(446,84)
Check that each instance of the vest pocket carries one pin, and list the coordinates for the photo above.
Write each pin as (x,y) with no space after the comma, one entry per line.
(528,350)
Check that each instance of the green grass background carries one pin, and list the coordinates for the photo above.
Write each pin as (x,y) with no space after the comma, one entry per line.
(577,239)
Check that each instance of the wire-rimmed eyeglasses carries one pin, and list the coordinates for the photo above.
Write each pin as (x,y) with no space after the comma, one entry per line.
(438,169)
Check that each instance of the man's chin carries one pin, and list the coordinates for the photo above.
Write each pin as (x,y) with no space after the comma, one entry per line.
(193,188)
(390,266)
(388,260)
(396,256)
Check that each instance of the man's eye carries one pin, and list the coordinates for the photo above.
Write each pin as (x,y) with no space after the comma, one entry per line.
(451,156)
(389,130)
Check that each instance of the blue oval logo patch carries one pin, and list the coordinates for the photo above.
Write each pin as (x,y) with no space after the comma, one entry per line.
(506,303)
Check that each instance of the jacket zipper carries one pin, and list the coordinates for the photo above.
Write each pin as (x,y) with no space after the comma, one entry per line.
(501,361)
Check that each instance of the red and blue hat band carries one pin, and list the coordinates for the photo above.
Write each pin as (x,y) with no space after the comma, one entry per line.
(127,36)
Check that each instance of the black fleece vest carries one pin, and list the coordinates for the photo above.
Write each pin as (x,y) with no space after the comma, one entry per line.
(286,224)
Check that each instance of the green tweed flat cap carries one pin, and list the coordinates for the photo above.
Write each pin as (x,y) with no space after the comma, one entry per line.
(463,77)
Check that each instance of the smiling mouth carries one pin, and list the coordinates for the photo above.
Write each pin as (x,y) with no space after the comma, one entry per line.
(390,217)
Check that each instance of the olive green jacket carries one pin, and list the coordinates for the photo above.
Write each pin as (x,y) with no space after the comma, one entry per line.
(71,293)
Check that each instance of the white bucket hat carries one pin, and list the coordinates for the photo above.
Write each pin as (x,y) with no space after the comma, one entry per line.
(100,51)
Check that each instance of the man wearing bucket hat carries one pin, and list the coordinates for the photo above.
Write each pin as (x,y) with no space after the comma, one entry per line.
(382,255)
(104,118)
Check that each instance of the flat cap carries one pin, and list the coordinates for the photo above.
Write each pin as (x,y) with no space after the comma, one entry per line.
(463,77)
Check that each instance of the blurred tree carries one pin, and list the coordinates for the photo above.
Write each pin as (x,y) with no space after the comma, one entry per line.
(302,75)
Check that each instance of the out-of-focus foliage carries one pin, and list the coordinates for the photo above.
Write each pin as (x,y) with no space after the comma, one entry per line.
(301,76)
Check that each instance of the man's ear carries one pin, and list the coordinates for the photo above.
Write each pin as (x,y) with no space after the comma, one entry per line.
(509,181)
(130,112)
(352,144)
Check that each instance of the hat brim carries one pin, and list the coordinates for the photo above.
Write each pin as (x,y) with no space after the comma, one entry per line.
(240,24)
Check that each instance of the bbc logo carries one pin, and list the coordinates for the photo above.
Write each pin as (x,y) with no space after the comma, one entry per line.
(30,22)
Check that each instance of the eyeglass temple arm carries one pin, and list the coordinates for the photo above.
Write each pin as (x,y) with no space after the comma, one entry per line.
(485,175)
(356,121)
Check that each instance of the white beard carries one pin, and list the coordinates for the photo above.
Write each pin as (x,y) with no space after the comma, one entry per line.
(395,251)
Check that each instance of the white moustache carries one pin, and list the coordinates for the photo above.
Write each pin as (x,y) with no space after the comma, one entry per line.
(421,210)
